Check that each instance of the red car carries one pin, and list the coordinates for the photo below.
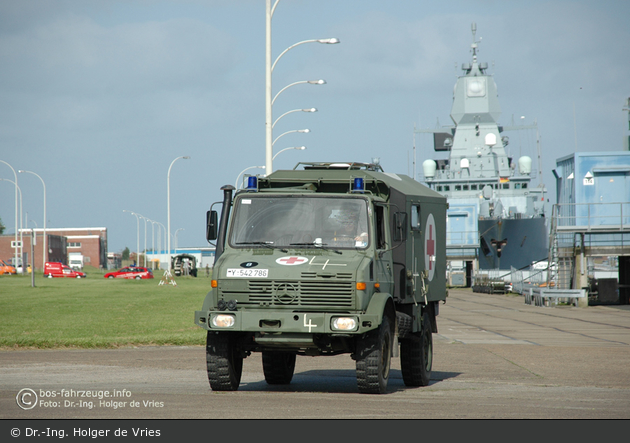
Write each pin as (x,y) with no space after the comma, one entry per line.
(131,272)
(58,269)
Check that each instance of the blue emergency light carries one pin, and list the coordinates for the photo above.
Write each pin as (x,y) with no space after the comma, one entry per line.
(252,183)
(358,185)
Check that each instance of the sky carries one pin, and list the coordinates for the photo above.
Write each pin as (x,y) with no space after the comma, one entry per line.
(101,98)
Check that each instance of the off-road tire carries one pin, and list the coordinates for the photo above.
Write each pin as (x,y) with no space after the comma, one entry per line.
(373,358)
(416,355)
(225,362)
(278,367)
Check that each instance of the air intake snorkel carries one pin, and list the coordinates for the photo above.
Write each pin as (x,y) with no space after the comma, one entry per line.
(225,215)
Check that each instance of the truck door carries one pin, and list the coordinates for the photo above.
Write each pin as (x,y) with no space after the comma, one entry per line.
(383,268)
(417,251)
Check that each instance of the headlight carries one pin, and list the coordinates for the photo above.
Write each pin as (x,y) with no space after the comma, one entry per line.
(223,321)
(344,324)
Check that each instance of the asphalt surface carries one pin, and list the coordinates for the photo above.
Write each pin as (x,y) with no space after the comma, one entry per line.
(495,357)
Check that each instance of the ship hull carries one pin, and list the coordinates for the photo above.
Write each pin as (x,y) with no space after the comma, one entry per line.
(517,243)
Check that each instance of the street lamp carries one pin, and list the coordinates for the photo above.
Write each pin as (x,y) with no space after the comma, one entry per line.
(145,238)
(327,41)
(246,169)
(163,236)
(321,81)
(168,206)
(299,148)
(44,247)
(153,240)
(306,131)
(137,235)
(17,188)
(269,67)
(175,236)
(16,212)
(293,110)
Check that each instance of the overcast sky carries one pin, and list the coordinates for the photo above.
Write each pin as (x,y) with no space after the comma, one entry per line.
(99,97)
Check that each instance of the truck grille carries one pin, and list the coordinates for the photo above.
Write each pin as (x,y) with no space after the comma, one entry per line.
(294,293)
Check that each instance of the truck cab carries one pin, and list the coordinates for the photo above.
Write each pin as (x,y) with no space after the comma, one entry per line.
(75,261)
(332,258)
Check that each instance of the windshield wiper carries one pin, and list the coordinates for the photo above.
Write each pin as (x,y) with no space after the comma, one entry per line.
(316,245)
(266,244)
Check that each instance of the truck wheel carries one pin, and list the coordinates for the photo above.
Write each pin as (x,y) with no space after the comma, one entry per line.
(278,367)
(225,363)
(374,359)
(416,356)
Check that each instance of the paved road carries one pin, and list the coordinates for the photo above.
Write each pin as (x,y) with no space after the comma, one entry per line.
(495,357)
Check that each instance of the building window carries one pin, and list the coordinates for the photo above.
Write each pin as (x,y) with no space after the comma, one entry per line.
(74,244)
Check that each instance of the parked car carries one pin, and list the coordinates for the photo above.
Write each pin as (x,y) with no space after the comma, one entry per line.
(6,268)
(130,272)
(57,269)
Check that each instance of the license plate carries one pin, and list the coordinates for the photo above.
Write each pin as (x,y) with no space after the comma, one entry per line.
(256,273)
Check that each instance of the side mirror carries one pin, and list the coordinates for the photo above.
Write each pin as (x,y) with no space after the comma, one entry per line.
(212,226)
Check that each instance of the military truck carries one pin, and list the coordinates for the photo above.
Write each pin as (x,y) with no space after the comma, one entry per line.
(321,260)
(184,264)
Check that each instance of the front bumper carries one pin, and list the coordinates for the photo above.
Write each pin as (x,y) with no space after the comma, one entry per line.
(286,322)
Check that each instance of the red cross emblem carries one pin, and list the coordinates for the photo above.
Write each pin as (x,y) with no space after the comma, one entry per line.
(291,261)
(429,246)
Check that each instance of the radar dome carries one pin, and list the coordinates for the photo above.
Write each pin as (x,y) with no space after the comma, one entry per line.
(525,165)
(429,167)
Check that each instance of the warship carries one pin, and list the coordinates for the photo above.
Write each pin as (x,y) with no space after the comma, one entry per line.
(496,216)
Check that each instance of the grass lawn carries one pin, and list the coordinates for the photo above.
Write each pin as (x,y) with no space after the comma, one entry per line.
(95,312)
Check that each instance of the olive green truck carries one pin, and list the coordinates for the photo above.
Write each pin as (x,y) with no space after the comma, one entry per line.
(321,260)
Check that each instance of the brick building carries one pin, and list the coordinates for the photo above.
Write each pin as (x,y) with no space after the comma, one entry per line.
(90,242)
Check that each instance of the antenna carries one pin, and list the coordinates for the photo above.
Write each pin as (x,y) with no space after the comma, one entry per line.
(474,43)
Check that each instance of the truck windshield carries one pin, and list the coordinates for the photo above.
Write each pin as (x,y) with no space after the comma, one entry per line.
(300,222)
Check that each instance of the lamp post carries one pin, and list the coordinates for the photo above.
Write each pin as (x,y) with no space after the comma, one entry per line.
(299,148)
(269,67)
(168,206)
(163,234)
(145,238)
(293,110)
(137,235)
(16,212)
(301,82)
(21,209)
(175,236)
(246,169)
(152,241)
(306,131)
(44,247)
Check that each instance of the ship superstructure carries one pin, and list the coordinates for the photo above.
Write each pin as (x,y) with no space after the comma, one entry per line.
(495,213)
